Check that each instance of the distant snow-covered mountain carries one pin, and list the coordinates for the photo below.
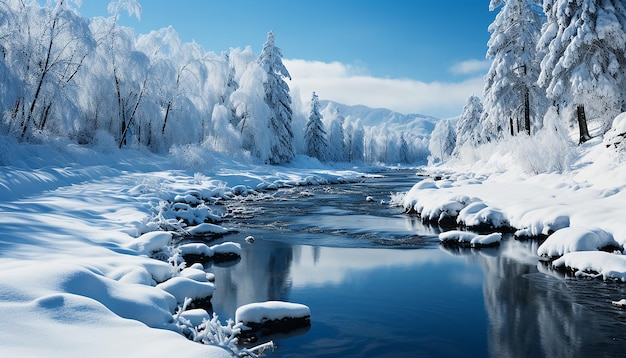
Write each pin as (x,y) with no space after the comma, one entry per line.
(417,124)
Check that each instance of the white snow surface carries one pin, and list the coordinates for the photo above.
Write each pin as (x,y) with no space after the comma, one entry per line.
(260,312)
(76,275)
(586,197)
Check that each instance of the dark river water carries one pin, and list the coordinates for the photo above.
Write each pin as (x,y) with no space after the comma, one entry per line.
(379,284)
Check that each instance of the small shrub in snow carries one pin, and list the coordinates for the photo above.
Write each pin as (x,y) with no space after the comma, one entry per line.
(212,332)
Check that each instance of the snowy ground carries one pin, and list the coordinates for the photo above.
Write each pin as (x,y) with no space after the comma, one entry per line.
(583,207)
(73,279)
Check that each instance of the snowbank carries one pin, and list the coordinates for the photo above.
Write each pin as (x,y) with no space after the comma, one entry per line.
(79,235)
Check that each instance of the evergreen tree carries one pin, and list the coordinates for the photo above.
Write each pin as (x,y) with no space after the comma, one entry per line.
(469,128)
(279,101)
(404,153)
(315,135)
(511,97)
(357,150)
(336,144)
(442,142)
(583,70)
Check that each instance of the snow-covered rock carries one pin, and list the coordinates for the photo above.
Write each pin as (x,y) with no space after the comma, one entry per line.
(478,214)
(254,315)
(573,239)
(594,263)
(227,249)
(219,251)
(465,238)
(207,229)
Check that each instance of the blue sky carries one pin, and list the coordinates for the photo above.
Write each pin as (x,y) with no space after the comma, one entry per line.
(418,56)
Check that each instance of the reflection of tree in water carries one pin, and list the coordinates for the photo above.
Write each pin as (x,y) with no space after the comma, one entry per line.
(258,277)
(534,314)
(279,282)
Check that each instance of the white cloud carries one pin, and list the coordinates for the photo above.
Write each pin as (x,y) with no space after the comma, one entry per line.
(349,85)
(470,67)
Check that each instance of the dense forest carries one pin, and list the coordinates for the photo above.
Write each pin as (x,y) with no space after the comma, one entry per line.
(557,78)
(96,82)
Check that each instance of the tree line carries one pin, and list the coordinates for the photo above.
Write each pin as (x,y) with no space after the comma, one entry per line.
(87,79)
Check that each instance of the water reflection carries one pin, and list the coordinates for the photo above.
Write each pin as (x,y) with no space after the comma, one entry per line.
(378,284)
(537,314)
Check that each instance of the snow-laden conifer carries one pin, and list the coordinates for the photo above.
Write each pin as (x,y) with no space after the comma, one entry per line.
(315,135)
(442,142)
(469,128)
(512,100)
(279,101)
(336,143)
(583,68)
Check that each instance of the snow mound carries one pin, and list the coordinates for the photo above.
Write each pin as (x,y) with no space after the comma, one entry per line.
(479,214)
(205,229)
(426,200)
(183,287)
(543,224)
(196,316)
(465,238)
(615,136)
(226,249)
(150,242)
(572,239)
(196,272)
(594,264)
(263,312)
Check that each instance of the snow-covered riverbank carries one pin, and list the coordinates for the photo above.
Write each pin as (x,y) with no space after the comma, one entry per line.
(586,201)
(72,279)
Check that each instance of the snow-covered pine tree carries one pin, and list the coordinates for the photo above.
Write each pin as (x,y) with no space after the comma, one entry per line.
(442,142)
(357,150)
(583,70)
(404,151)
(469,127)
(336,144)
(511,97)
(314,133)
(279,101)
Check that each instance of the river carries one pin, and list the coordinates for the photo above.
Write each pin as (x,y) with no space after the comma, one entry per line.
(379,284)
